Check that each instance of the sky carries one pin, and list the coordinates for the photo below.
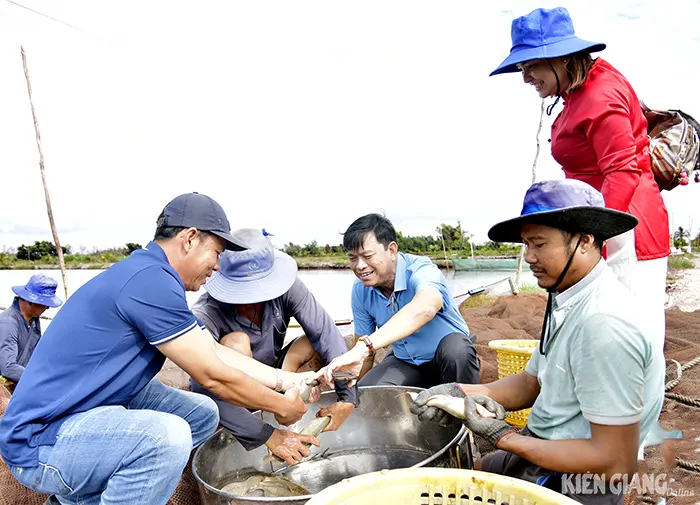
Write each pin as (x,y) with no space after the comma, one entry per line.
(298,116)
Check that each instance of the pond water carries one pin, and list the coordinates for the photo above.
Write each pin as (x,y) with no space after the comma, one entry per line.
(332,288)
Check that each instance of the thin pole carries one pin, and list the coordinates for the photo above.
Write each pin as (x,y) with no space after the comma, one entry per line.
(534,179)
(444,251)
(59,250)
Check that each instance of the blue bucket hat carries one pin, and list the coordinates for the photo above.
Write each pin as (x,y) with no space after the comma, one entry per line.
(568,204)
(257,274)
(41,289)
(544,33)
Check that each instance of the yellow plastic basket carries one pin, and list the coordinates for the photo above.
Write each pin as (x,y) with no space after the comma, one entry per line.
(436,486)
(512,357)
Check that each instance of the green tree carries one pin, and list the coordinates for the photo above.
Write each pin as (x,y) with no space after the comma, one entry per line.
(292,249)
(311,249)
(680,236)
(39,250)
(696,241)
(452,235)
(131,247)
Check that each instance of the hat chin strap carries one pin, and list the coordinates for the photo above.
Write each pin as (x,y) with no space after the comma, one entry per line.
(551,107)
(550,299)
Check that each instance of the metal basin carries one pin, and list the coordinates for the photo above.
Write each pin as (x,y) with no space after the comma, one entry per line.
(381,433)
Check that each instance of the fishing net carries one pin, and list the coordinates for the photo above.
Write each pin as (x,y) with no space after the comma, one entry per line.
(186,492)
(14,493)
(11,491)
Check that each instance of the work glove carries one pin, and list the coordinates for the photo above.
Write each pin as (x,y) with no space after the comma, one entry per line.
(434,414)
(480,414)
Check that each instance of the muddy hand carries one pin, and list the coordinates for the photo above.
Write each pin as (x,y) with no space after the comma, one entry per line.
(351,363)
(338,413)
(290,447)
(294,408)
(311,389)
(306,391)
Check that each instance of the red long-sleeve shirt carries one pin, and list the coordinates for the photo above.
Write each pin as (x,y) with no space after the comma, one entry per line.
(601,138)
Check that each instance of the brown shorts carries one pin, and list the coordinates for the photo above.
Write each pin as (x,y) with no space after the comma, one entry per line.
(506,463)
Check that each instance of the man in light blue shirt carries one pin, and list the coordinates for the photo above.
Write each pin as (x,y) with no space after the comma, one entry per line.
(596,382)
(402,300)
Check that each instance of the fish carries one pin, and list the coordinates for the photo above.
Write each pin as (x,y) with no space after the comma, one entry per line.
(305,389)
(269,486)
(453,405)
(314,428)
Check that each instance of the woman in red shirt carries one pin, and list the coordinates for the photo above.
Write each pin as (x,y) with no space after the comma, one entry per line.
(600,137)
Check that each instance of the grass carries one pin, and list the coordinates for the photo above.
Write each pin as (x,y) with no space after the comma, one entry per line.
(322,262)
(478,301)
(680,262)
(531,288)
(10,262)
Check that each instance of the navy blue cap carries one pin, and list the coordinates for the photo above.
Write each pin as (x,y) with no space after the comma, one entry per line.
(193,210)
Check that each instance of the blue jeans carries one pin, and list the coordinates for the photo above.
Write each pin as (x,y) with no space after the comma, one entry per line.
(115,455)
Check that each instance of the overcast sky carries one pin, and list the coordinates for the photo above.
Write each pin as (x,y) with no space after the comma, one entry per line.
(298,116)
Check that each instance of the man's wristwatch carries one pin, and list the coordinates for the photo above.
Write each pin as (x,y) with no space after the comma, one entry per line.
(368,343)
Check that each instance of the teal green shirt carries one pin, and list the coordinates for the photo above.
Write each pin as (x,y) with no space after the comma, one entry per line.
(600,366)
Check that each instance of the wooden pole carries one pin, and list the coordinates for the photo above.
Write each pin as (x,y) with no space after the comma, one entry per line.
(59,250)
(521,257)
(444,251)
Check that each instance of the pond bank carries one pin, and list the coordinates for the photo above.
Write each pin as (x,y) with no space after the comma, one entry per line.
(303,263)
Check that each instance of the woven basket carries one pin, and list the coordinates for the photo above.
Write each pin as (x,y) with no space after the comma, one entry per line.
(512,357)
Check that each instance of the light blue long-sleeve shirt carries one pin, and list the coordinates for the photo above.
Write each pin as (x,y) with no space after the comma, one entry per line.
(17,341)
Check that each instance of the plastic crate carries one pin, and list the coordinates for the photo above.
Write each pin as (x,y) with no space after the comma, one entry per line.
(512,357)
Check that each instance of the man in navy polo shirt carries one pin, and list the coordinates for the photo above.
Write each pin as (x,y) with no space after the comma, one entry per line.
(402,300)
(88,422)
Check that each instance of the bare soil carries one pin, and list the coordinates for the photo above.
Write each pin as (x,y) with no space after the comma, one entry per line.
(520,317)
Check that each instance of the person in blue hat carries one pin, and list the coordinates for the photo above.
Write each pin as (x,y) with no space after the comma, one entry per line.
(595,384)
(247,306)
(601,138)
(89,422)
(20,328)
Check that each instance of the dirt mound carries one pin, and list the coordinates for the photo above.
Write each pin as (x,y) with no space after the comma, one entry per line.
(520,317)
(510,317)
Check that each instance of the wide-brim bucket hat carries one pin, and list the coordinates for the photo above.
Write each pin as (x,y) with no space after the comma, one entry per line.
(544,33)
(569,205)
(41,289)
(257,274)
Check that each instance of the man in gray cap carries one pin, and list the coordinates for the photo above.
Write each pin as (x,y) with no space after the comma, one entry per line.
(247,307)
(88,422)
(20,328)
(596,383)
